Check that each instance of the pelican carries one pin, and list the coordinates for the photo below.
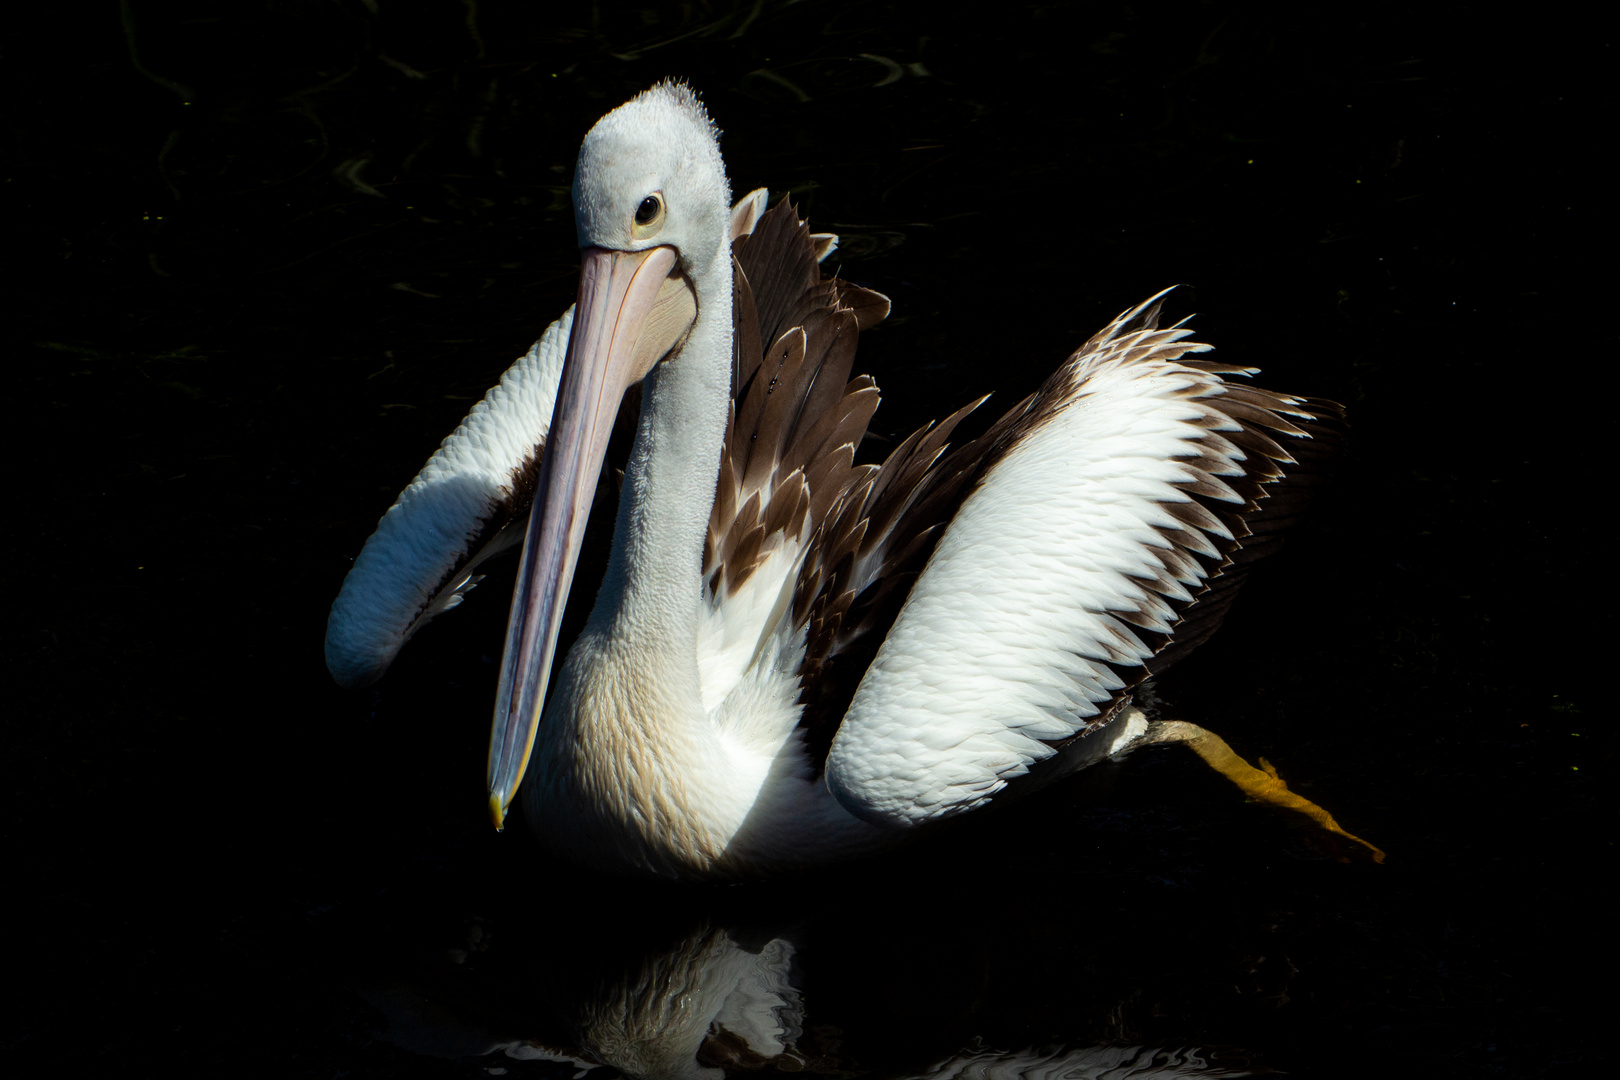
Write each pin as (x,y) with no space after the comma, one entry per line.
(792,658)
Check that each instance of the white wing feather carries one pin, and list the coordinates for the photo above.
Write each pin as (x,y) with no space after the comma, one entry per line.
(402,577)
(1001,646)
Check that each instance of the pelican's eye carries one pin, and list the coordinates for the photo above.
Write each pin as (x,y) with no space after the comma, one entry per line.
(650,214)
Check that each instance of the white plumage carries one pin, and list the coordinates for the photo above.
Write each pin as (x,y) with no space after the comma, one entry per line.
(755,689)
(1006,641)
(424,555)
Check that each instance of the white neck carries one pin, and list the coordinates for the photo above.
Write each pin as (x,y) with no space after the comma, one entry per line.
(650,594)
(628,738)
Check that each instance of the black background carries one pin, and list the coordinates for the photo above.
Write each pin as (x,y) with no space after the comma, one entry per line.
(265,255)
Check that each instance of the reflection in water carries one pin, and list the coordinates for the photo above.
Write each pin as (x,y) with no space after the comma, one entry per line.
(724,1000)
(708,1002)
(1092,1063)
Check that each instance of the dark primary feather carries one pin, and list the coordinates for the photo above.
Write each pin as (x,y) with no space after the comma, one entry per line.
(796,416)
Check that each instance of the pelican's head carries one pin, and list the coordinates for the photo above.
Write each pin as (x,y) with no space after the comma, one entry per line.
(651,204)
(649,174)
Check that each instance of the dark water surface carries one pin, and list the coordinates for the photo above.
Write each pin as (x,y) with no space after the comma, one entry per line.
(272,252)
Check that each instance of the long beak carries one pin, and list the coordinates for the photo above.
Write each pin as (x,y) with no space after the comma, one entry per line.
(630,314)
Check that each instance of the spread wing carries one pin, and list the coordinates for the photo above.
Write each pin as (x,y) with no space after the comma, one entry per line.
(469,502)
(1127,498)
(1103,527)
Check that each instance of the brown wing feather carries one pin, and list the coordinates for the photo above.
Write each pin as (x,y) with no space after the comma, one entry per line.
(787,472)
(860,567)
(796,415)
(1281,502)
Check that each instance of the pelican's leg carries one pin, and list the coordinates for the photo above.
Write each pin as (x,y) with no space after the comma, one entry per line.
(1262,784)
